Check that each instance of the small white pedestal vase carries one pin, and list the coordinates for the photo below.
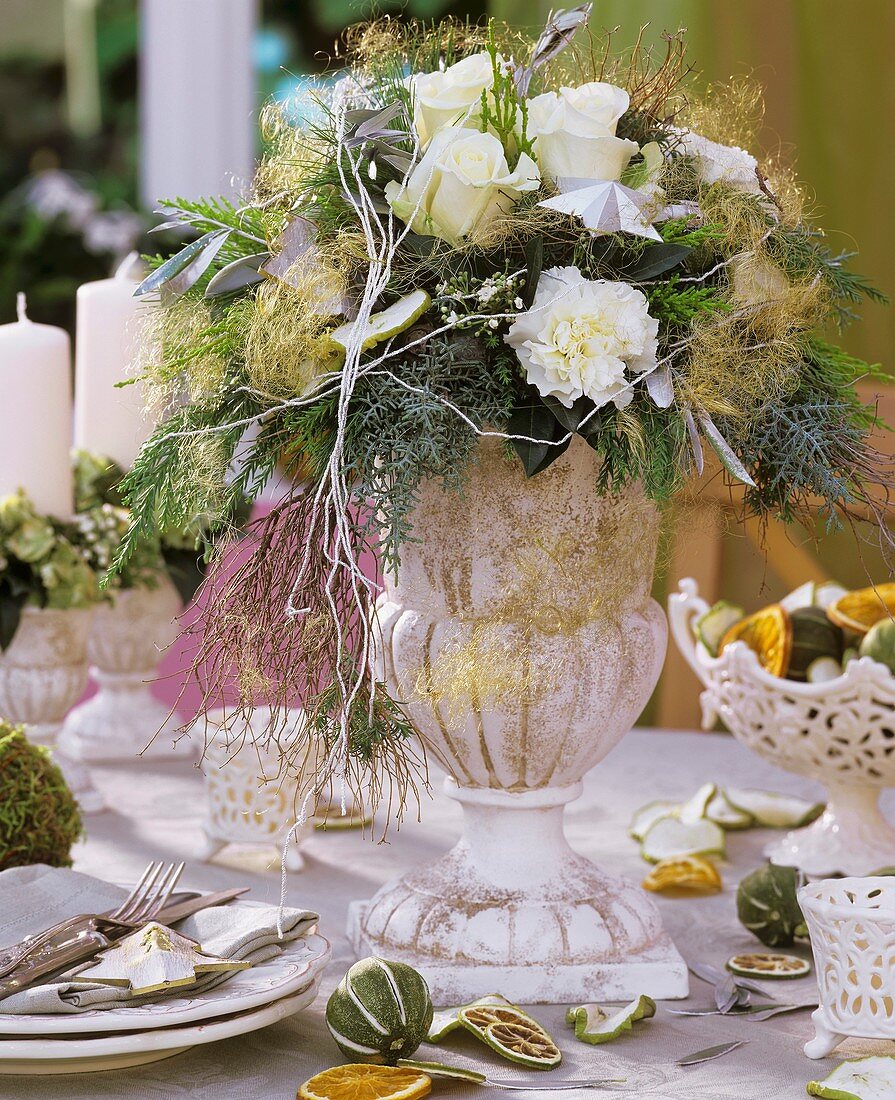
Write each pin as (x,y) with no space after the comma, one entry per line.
(123,719)
(521,635)
(43,672)
(841,733)
(851,922)
(249,801)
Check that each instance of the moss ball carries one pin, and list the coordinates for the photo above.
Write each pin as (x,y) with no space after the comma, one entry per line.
(39,817)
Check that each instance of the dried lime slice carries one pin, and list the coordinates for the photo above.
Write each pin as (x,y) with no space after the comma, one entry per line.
(649,814)
(513,1034)
(441,1070)
(669,838)
(448,1019)
(775,811)
(711,627)
(685,875)
(826,594)
(723,812)
(594,1024)
(870,1078)
(758,964)
(823,670)
(803,596)
(696,807)
(398,317)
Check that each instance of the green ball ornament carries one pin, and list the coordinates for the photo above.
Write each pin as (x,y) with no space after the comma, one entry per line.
(380,1011)
(39,817)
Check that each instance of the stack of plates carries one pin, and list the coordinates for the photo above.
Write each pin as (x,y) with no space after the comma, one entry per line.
(115,1038)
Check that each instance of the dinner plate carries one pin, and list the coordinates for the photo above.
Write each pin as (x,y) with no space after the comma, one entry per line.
(300,961)
(84,1054)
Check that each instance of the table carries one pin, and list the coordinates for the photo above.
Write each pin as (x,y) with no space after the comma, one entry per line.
(158,814)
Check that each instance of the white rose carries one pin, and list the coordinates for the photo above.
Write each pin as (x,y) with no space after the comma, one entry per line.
(584,338)
(716,163)
(574,132)
(451,97)
(462,182)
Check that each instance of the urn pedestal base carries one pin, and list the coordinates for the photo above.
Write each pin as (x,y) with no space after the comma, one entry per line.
(122,721)
(851,837)
(513,908)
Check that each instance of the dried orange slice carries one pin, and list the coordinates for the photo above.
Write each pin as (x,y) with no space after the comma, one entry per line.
(513,1034)
(366,1082)
(859,611)
(684,874)
(769,634)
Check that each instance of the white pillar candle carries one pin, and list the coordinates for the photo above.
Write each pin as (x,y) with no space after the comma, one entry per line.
(108,420)
(197,97)
(35,414)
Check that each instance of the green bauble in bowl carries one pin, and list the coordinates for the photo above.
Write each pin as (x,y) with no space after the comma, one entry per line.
(380,1011)
(39,817)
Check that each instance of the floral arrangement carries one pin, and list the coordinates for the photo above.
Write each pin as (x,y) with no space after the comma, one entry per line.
(43,563)
(103,521)
(474,234)
(47,562)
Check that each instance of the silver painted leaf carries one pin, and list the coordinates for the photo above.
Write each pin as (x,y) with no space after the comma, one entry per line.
(660,387)
(177,263)
(236,275)
(710,1052)
(695,442)
(724,451)
(188,276)
(554,38)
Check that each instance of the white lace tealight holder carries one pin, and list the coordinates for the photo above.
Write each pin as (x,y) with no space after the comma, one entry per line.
(841,733)
(851,922)
(249,800)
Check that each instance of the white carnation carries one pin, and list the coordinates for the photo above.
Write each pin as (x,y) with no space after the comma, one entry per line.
(584,338)
(718,163)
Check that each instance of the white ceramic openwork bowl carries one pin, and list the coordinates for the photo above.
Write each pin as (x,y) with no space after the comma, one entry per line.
(841,733)
(851,922)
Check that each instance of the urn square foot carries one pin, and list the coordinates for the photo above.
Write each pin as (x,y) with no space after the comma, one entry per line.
(658,970)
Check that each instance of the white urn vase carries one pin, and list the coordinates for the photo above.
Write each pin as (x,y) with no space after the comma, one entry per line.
(43,671)
(124,719)
(522,638)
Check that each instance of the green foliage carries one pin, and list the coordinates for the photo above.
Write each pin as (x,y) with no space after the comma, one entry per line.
(39,817)
(401,431)
(178,484)
(501,112)
(43,563)
(371,728)
(677,304)
(809,449)
(803,255)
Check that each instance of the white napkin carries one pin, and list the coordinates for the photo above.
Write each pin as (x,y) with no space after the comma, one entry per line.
(32,898)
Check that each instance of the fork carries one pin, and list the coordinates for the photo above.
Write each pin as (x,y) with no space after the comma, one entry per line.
(148,897)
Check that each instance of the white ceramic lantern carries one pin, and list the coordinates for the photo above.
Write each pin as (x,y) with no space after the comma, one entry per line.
(851,922)
(250,801)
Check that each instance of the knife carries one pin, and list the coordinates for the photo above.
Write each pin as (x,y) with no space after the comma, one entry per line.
(100,935)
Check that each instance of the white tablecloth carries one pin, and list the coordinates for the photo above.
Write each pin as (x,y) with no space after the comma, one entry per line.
(157,815)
